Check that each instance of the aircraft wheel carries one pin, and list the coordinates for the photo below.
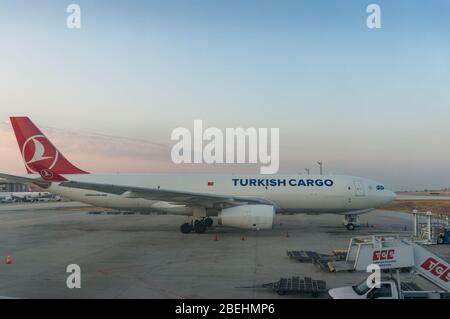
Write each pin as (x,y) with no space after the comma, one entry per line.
(200,227)
(186,228)
(350,226)
(208,222)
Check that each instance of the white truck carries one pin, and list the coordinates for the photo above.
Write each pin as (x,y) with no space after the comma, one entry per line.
(392,253)
(388,290)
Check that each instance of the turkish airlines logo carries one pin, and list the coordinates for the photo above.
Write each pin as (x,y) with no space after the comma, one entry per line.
(437,269)
(38,151)
(383,255)
(46,174)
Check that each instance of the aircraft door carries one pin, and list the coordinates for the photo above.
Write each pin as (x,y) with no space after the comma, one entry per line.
(359,188)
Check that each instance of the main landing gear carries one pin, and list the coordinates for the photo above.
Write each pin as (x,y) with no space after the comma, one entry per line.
(198,226)
(351,222)
(199,221)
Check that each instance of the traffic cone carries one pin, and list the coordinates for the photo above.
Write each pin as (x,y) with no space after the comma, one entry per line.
(8,260)
(243,237)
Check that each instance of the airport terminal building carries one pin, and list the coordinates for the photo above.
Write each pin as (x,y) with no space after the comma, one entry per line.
(13,187)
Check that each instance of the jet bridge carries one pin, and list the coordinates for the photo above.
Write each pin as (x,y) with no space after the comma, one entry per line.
(392,252)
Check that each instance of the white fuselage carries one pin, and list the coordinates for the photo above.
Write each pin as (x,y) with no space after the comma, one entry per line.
(288,193)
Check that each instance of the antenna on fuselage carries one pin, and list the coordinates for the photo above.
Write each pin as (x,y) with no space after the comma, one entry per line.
(320,167)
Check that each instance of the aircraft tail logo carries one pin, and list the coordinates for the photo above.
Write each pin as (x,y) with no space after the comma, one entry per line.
(38,152)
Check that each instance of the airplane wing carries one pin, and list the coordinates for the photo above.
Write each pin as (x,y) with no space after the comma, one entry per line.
(171,196)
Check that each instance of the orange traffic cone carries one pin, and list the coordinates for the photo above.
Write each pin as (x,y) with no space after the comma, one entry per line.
(243,237)
(8,260)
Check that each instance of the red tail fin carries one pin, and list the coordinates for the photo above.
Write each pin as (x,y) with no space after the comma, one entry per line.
(49,175)
(38,152)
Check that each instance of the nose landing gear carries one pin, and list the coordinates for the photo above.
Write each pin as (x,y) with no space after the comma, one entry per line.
(351,222)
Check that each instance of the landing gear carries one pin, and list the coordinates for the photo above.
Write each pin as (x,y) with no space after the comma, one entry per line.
(186,228)
(198,226)
(351,222)
(208,221)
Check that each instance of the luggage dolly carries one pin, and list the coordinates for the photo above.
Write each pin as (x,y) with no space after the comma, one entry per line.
(295,285)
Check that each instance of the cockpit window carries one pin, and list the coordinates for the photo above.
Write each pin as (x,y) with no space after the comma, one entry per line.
(380,187)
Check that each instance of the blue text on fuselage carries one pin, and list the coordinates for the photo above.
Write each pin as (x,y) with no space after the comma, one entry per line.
(265,182)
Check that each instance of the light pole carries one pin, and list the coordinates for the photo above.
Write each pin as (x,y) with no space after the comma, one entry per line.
(320,166)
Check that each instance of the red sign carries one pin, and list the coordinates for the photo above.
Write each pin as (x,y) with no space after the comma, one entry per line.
(383,254)
(210,183)
(437,269)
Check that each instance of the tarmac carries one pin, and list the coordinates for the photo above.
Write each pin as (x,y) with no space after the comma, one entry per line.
(145,256)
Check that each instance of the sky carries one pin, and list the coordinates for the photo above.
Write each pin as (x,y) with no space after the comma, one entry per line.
(366,102)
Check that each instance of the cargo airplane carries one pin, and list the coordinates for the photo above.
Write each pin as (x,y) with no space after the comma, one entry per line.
(242,201)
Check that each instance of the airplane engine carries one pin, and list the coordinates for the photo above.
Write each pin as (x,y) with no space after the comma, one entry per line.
(248,217)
